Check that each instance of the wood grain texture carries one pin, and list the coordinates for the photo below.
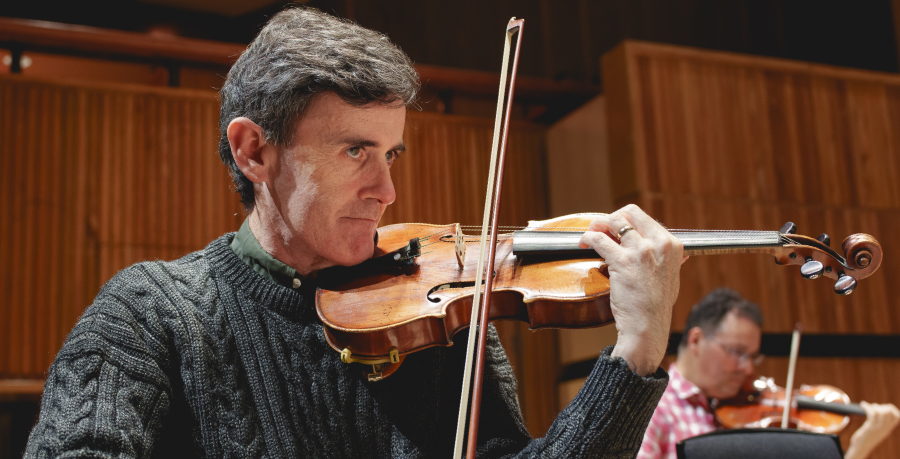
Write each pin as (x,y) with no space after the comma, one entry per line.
(101,176)
(718,140)
(713,140)
(577,161)
(97,178)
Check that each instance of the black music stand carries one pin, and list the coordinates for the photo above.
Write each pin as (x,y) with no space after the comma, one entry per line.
(769,443)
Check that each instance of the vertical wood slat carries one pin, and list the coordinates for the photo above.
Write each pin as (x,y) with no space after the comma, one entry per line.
(723,141)
(100,177)
(85,197)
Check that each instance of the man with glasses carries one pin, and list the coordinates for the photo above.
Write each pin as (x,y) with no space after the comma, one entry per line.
(717,353)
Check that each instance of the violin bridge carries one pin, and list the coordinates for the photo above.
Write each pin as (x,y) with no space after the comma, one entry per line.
(460,243)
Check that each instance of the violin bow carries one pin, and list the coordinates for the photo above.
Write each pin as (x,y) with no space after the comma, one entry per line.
(789,387)
(481,305)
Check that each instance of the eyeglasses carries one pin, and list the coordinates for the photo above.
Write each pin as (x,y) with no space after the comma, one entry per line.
(741,357)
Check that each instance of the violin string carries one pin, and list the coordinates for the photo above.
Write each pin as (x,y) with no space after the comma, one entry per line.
(415,256)
(443,231)
(743,234)
(584,228)
(429,243)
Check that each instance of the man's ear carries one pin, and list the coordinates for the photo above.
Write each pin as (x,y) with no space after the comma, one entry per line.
(693,338)
(253,155)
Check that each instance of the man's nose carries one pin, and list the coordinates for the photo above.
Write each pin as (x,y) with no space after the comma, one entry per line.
(746,365)
(381,186)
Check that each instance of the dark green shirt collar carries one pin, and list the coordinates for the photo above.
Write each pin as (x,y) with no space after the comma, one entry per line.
(247,248)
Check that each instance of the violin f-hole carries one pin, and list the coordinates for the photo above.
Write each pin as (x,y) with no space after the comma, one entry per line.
(451,285)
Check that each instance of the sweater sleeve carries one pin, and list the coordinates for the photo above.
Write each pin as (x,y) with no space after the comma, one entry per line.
(106,393)
(607,419)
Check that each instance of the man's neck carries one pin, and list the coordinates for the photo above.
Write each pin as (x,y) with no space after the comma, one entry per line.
(688,371)
(275,237)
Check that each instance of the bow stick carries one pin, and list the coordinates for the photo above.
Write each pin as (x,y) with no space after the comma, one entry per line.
(481,307)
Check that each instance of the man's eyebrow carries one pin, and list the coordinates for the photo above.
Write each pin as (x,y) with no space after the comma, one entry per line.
(369,143)
(359,142)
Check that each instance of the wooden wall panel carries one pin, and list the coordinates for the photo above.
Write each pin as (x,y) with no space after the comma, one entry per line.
(723,141)
(100,177)
(97,178)
(577,161)
(715,140)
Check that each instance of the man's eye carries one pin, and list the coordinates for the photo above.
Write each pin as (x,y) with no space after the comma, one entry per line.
(391,156)
(354,152)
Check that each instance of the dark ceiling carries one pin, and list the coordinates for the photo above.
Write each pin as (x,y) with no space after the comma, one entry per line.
(563,40)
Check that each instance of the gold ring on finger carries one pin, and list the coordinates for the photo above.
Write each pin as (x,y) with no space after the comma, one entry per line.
(624,230)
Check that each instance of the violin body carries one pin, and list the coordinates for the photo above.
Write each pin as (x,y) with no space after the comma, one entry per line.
(417,290)
(407,308)
(814,408)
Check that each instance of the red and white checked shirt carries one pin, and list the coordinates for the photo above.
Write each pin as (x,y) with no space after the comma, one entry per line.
(683,412)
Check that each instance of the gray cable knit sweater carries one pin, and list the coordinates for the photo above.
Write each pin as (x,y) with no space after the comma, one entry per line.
(203,357)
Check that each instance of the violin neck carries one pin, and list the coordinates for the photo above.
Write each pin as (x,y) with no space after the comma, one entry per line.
(846,409)
(696,242)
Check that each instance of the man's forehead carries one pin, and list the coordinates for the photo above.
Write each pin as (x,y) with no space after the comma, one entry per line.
(337,121)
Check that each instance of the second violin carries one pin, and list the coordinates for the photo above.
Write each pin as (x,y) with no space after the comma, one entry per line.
(819,408)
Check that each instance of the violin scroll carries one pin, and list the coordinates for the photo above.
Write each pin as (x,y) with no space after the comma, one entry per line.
(862,251)
(862,256)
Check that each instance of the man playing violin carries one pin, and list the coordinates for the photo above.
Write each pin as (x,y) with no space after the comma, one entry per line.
(221,353)
(716,355)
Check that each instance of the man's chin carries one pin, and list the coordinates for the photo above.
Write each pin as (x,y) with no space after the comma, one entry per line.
(356,256)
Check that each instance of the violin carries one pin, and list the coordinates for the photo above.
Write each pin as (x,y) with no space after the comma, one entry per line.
(818,408)
(417,290)
(407,298)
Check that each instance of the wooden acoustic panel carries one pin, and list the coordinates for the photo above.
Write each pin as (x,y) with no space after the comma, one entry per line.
(101,176)
(97,178)
(783,294)
(715,140)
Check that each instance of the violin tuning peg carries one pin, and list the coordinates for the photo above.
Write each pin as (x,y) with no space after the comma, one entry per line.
(812,268)
(824,239)
(845,285)
(788,228)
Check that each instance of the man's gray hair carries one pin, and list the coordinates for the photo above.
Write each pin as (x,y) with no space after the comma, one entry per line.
(302,52)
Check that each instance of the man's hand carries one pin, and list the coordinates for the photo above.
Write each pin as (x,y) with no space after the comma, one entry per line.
(644,269)
(880,421)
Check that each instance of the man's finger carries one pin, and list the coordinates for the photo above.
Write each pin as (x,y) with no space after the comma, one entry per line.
(606,246)
(642,222)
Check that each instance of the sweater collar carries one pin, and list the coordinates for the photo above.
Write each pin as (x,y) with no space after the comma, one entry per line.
(248,249)
(240,276)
